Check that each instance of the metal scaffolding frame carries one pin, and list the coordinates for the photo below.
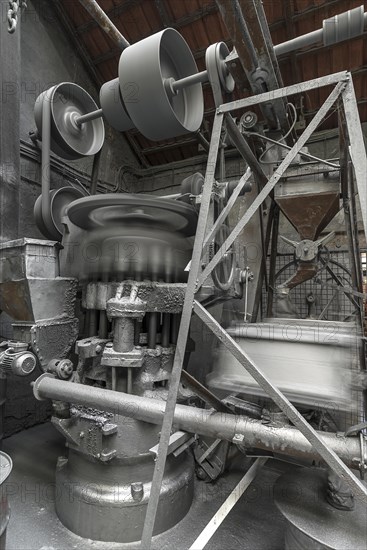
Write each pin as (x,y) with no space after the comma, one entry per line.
(342,88)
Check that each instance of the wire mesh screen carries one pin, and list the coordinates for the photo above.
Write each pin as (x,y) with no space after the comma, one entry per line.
(319,297)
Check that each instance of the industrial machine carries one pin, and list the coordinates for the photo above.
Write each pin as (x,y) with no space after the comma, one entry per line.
(104,304)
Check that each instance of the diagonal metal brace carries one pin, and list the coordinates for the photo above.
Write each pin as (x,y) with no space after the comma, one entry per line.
(272,181)
(330,457)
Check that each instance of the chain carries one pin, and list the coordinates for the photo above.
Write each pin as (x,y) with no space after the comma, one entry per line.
(13,13)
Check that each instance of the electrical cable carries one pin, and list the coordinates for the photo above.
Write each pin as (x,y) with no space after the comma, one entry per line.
(284,137)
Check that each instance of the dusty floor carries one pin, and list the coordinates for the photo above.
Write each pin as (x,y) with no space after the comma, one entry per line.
(254,523)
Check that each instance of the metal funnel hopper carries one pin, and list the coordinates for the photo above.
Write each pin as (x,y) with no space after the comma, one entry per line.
(309,206)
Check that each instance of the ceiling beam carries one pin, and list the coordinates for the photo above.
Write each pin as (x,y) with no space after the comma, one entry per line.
(163,13)
(176,24)
(78,43)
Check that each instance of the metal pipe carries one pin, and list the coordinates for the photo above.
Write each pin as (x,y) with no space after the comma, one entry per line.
(129,382)
(88,116)
(105,23)
(284,440)
(124,334)
(103,327)
(335,29)
(152,330)
(92,324)
(175,325)
(190,80)
(299,42)
(166,326)
(302,153)
(245,150)
(205,395)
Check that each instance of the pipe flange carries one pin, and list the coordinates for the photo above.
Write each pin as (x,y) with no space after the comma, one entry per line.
(36,384)
(122,359)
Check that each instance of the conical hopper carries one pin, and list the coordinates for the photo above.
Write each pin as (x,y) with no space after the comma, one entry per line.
(309,206)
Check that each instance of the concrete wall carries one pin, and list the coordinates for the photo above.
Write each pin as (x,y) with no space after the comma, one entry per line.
(47,58)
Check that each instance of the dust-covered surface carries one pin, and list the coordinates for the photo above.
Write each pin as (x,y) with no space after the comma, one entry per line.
(254,523)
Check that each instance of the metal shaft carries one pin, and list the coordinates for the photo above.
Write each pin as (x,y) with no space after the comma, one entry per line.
(152,330)
(89,116)
(285,440)
(190,81)
(124,332)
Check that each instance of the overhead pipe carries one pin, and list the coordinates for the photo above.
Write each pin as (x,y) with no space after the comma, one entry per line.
(218,425)
(343,26)
(105,23)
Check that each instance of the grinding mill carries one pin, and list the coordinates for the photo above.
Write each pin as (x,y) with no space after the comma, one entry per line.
(166,348)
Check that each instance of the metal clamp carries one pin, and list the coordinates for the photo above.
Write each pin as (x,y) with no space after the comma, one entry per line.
(362,460)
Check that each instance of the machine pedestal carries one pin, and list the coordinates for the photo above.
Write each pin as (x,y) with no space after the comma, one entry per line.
(313,523)
(107,502)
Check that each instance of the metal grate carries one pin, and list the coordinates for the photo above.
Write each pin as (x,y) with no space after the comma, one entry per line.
(330,304)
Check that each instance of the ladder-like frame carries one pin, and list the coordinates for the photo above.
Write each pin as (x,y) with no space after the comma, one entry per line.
(342,88)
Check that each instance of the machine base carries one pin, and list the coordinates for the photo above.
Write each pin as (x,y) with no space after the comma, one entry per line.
(312,523)
(94,500)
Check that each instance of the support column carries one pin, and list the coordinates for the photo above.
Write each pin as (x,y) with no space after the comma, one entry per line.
(9,128)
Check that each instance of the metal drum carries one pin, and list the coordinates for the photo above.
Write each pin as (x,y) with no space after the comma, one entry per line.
(6,466)
(115,237)
(311,522)
(144,70)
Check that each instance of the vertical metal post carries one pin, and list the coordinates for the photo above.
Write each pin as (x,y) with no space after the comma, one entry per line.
(272,181)
(357,148)
(9,129)
(182,337)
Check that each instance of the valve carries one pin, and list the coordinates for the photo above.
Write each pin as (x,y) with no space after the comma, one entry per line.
(62,368)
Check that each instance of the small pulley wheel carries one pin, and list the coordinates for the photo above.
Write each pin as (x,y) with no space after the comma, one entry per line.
(69,139)
(144,70)
(123,210)
(59,202)
(223,273)
(219,76)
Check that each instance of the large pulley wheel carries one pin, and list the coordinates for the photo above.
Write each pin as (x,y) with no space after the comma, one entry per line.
(144,70)
(123,210)
(69,139)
